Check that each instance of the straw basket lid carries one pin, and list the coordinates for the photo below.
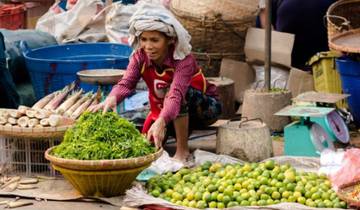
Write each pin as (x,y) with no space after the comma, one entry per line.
(347,41)
(101,165)
(228,9)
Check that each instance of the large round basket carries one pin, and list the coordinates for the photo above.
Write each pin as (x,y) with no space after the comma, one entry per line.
(101,178)
(343,15)
(217,28)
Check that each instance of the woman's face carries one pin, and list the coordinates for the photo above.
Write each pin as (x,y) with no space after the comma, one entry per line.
(155,45)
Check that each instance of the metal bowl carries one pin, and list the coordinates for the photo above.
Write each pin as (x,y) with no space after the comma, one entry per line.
(101,76)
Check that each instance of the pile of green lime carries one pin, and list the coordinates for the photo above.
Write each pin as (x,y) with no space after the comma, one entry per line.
(215,185)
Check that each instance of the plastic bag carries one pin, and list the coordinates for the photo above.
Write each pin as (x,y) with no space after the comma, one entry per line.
(331,161)
(162,165)
(117,22)
(349,171)
(279,77)
(84,21)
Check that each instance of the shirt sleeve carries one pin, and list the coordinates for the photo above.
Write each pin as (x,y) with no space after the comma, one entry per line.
(128,83)
(184,71)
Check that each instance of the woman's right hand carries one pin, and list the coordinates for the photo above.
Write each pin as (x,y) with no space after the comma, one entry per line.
(109,103)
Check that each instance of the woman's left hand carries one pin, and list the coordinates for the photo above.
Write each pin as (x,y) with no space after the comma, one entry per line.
(157,132)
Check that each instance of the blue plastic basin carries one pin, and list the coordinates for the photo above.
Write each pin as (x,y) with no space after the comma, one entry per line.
(52,68)
(349,71)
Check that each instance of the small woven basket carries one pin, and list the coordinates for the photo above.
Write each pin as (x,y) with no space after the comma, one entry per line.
(101,178)
(344,193)
(341,16)
(217,28)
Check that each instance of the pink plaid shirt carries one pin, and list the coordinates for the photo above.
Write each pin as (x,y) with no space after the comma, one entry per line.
(184,70)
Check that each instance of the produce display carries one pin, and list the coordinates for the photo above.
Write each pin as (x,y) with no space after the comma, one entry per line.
(55,109)
(98,136)
(215,185)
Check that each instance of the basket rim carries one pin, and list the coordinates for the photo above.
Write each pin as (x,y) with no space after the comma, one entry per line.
(96,173)
(29,54)
(342,48)
(100,165)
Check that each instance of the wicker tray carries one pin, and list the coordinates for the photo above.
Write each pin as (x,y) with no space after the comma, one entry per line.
(346,42)
(344,195)
(36,133)
(100,165)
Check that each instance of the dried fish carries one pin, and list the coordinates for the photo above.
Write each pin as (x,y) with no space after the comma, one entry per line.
(29,181)
(12,180)
(26,187)
(14,204)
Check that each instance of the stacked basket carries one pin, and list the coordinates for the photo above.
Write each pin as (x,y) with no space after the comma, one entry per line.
(217,28)
(344,36)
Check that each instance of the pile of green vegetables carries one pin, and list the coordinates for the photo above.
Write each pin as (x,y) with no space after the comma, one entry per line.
(98,136)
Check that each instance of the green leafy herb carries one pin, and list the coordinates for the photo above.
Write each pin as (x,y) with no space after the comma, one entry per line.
(97,137)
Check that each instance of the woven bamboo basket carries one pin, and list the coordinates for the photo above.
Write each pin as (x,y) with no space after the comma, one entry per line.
(101,183)
(341,16)
(101,178)
(218,28)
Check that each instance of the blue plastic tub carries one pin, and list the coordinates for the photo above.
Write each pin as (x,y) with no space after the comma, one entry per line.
(350,79)
(51,68)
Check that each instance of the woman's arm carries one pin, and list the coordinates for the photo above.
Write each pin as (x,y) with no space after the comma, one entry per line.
(128,83)
(123,88)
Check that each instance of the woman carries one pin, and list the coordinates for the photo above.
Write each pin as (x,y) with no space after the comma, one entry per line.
(309,30)
(178,91)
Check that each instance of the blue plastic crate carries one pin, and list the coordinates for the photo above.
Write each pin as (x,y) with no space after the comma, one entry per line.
(52,68)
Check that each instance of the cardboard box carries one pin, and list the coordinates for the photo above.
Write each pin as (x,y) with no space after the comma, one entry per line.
(34,10)
(300,82)
(281,46)
(241,73)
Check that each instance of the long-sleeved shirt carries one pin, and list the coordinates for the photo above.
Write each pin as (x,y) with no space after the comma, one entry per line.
(184,70)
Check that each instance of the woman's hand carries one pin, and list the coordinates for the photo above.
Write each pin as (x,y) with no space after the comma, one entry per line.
(157,132)
(109,103)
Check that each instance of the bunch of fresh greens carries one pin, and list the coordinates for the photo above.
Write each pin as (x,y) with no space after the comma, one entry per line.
(98,136)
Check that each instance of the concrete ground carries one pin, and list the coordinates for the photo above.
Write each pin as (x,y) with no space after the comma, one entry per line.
(60,205)
(207,142)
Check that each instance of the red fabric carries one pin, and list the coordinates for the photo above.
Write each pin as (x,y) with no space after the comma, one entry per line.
(182,77)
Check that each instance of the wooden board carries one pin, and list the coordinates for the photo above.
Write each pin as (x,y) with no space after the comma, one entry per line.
(225,87)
